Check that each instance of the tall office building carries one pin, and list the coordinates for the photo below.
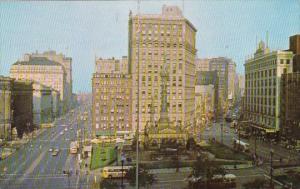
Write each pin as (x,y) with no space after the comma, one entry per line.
(155,39)
(66,63)
(43,71)
(295,48)
(290,109)
(262,87)
(111,108)
(232,81)
(221,65)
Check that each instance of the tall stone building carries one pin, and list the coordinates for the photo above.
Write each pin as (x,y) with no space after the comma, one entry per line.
(6,85)
(155,39)
(221,65)
(295,48)
(232,81)
(42,71)
(22,103)
(66,63)
(290,109)
(111,108)
(262,88)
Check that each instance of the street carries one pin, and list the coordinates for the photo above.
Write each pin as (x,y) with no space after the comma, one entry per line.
(33,166)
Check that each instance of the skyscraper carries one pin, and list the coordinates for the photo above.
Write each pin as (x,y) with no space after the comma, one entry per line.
(154,40)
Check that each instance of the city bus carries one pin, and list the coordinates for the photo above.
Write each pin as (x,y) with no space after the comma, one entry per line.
(114,171)
(241,145)
(73,147)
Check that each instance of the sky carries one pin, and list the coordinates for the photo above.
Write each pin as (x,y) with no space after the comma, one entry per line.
(84,30)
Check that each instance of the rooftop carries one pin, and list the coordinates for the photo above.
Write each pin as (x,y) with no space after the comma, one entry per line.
(38,61)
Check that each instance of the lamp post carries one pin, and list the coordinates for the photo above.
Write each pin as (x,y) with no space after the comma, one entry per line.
(271,167)
(122,162)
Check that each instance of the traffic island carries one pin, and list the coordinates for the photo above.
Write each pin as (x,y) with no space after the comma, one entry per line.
(102,155)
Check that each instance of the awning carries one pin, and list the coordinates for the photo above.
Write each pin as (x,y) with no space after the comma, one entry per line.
(267,130)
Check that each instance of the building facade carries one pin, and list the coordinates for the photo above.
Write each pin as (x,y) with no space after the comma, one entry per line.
(66,63)
(202,64)
(290,109)
(22,105)
(111,108)
(112,65)
(42,104)
(154,40)
(295,48)
(221,65)
(42,71)
(262,87)
(6,85)
(231,81)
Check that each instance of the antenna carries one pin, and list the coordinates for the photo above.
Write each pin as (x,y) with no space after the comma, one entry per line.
(182,7)
(267,39)
(256,42)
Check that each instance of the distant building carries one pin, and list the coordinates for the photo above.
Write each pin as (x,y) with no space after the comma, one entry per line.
(66,63)
(22,98)
(206,94)
(202,64)
(167,37)
(42,104)
(295,48)
(241,79)
(221,65)
(231,81)
(262,88)
(6,87)
(112,65)
(43,71)
(111,108)
(55,102)
(290,109)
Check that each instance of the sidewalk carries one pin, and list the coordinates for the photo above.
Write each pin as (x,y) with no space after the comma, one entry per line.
(12,146)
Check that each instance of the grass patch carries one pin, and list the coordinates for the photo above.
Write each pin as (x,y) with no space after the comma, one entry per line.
(223,152)
(102,156)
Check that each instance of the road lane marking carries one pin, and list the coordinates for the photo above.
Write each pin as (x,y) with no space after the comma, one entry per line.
(32,166)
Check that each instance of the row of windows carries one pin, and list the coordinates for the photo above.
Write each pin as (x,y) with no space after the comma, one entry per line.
(261,74)
(261,91)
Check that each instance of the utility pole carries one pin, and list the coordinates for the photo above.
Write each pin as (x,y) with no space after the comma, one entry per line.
(138,98)
(222,132)
(271,168)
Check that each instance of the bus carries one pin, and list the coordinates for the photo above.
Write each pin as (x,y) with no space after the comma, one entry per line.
(73,147)
(114,171)
(241,145)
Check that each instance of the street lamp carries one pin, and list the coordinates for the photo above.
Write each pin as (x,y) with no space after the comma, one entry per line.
(271,167)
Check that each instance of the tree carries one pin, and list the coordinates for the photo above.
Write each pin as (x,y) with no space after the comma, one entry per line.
(206,169)
(190,144)
(145,178)
(256,184)
(108,184)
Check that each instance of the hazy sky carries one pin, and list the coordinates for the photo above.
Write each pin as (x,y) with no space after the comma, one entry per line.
(85,29)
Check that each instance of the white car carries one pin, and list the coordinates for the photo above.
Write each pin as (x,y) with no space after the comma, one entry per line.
(66,129)
(61,133)
(50,150)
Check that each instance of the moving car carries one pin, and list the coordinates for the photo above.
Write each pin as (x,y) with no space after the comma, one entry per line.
(55,152)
